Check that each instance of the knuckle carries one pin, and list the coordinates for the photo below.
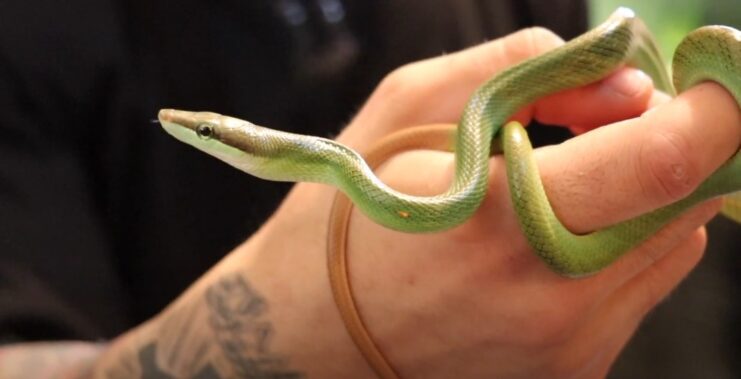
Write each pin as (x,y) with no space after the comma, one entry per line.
(531,42)
(699,241)
(651,294)
(656,283)
(664,169)
(399,82)
(543,39)
(482,61)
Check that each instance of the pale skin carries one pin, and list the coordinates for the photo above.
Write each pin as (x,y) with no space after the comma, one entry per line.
(473,302)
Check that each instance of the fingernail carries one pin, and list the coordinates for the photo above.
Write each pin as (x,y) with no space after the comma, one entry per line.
(628,83)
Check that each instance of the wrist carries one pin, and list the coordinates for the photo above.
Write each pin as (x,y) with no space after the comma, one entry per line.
(286,263)
(266,309)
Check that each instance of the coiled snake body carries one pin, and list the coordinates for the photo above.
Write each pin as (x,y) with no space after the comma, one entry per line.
(709,53)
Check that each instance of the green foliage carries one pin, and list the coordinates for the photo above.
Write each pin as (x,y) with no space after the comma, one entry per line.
(671,20)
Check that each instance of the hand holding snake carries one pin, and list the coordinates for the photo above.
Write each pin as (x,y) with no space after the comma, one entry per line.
(668,237)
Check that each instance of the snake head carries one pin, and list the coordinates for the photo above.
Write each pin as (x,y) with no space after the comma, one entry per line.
(234,141)
(184,125)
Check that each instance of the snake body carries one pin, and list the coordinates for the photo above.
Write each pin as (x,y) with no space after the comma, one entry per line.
(710,53)
(707,54)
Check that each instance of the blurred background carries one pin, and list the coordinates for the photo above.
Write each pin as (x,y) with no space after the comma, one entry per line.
(671,20)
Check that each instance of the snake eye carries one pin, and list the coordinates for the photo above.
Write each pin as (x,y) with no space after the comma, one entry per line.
(205,131)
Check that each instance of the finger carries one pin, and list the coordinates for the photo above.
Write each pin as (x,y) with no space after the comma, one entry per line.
(633,167)
(624,94)
(596,288)
(653,284)
(436,90)
(657,98)
(653,250)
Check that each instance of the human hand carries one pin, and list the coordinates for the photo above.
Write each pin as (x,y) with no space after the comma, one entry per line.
(475,301)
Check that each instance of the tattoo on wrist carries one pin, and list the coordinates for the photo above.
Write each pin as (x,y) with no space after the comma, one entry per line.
(226,334)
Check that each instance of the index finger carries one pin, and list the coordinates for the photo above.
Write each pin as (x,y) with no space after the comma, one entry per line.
(636,166)
(436,90)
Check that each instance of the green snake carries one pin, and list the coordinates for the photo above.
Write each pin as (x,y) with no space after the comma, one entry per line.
(709,53)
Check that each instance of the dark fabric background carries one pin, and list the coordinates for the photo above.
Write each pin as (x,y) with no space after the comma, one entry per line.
(104,218)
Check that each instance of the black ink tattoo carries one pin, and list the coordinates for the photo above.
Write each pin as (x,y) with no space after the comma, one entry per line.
(227,337)
(236,319)
(151,370)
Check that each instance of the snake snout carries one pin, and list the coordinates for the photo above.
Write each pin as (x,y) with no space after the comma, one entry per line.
(186,119)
